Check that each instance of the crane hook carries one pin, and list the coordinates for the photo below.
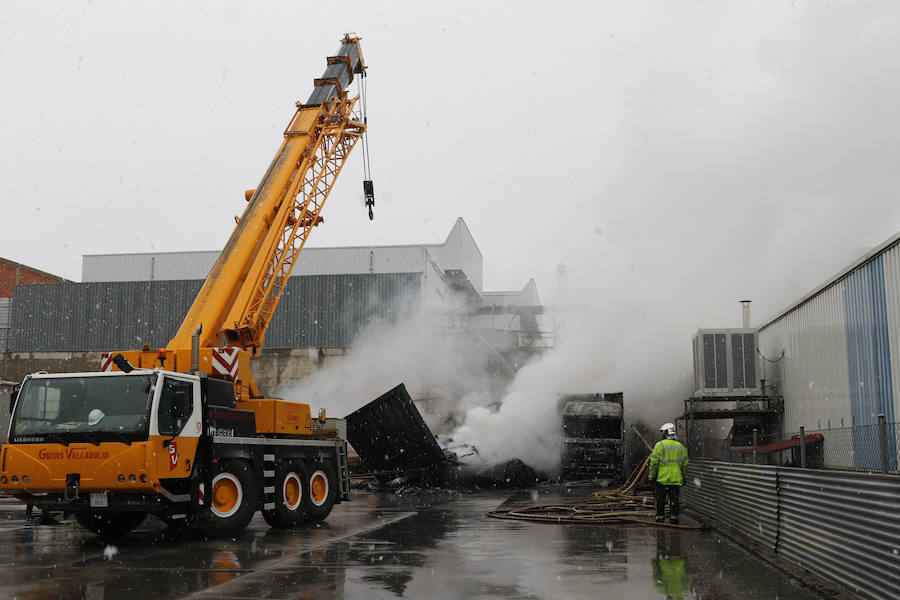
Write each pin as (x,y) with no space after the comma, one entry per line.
(369,190)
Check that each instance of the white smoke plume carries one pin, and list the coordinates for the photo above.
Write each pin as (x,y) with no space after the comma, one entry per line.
(723,175)
(447,371)
(441,366)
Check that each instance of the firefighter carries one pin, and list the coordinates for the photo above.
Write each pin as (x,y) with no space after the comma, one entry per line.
(668,470)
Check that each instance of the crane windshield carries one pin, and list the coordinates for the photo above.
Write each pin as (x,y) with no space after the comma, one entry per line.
(83,409)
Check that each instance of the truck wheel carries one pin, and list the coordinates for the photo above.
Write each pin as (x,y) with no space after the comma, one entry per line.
(290,495)
(110,525)
(234,496)
(322,490)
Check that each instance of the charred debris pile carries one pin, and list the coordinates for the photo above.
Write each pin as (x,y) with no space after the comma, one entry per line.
(397,449)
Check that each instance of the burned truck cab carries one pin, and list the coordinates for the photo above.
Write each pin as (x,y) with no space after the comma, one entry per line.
(593,436)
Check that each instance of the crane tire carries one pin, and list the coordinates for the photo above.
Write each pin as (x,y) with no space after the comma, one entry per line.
(321,490)
(111,525)
(233,498)
(291,498)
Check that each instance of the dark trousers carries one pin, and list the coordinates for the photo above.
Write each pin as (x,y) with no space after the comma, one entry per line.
(664,493)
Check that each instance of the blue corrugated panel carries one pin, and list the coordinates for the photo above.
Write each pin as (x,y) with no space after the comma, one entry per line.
(869,359)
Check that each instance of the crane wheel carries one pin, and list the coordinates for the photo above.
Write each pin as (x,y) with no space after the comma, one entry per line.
(234,497)
(291,498)
(322,490)
(110,525)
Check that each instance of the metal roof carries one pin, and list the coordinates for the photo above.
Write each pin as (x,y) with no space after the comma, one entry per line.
(609,410)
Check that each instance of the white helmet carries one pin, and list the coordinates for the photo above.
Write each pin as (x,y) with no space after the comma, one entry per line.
(95,416)
(668,429)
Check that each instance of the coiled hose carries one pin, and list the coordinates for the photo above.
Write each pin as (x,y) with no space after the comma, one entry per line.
(618,506)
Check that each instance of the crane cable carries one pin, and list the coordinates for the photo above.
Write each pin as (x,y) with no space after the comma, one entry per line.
(368,187)
(361,84)
(621,505)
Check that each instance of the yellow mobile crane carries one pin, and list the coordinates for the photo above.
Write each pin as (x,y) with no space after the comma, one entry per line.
(184,432)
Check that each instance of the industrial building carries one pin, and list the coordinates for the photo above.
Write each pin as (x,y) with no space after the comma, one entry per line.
(11,275)
(333,294)
(829,364)
(834,356)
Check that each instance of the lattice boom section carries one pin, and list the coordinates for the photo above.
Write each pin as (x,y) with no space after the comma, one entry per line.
(332,147)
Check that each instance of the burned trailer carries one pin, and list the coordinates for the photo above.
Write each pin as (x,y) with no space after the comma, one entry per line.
(593,445)
(392,439)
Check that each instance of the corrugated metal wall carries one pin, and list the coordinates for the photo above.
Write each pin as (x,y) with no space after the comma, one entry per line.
(458,252)
(196,265)
(328,311)
(813,375)
(314,312)
(375,259)
(98,316)
(154,266)
(868,351)
(844,527)
(841,363)
(743,497)
(868,347)
(4,322)
(891,260)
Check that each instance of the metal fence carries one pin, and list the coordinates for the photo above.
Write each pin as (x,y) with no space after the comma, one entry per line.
(841,526)
(872,448)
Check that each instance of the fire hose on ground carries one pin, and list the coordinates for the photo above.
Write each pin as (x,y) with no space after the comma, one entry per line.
(606,507)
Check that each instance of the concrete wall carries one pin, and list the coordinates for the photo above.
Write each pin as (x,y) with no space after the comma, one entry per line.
(279,369)
(16,365)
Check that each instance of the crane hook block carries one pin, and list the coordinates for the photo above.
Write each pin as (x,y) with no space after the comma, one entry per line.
(369,190)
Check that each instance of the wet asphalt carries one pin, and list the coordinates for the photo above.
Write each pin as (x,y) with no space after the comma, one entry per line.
(422,545)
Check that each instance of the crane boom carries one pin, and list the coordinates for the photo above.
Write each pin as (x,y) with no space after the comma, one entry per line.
(184,433)
(239,296)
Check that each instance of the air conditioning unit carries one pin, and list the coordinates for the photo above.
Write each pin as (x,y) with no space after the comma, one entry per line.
(725,362)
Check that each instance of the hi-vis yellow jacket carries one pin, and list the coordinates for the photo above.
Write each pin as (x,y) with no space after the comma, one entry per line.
(668,462)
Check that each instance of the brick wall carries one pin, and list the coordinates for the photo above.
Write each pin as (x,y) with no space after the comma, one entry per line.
(12,273)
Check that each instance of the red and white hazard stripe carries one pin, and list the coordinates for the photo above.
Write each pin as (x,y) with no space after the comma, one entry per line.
(106,363)
(225,361)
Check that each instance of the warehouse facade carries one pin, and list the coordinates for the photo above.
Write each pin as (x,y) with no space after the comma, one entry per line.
(835,358)
(128,300)
(11,275)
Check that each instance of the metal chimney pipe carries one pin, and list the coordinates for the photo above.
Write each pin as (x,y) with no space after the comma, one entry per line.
(746,306)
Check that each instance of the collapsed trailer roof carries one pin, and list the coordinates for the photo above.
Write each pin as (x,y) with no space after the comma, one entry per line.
(600,410)
(389,434)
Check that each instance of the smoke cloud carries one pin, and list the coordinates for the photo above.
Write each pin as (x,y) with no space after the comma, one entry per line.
(754,158)
(757,175)
(467,397)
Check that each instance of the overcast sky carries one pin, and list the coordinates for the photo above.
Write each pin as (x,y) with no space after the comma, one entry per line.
(675,156)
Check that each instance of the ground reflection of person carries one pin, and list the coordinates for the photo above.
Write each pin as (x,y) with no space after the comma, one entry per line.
(671,576)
